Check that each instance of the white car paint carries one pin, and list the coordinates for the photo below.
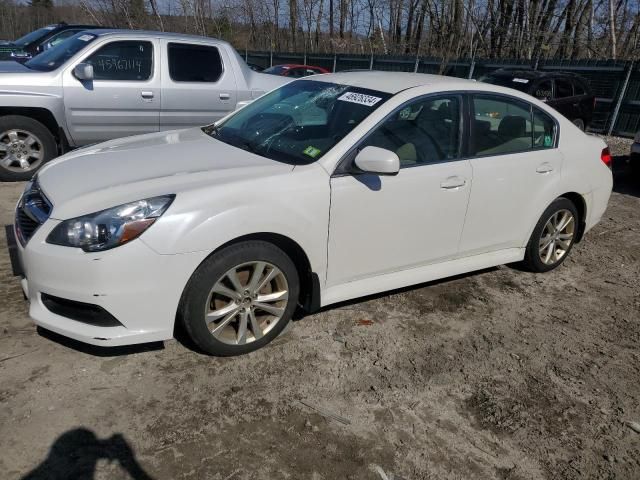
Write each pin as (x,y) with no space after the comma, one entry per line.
(362,234)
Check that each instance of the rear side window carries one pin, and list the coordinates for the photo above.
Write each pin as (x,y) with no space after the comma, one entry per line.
(194,63)
(544,130)
(124,61)
(579,89)
(501,125)
(564,88)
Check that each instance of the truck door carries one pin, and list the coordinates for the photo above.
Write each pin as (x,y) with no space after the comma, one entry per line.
(124,96)
(198,84)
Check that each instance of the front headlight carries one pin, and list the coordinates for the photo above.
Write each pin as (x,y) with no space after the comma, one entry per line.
(112,227)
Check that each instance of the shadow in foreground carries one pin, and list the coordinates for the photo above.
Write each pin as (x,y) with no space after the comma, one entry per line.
(96,350)
(75,453)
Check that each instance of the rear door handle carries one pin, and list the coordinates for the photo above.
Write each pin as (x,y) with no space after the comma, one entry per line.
(225,96)
(545,168)
(146,94)
(452,183)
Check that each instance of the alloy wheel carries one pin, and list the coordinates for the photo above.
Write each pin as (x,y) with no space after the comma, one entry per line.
(557,236)
(246,303)
(20,151)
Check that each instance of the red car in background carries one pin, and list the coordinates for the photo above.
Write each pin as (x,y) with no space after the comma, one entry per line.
(295,71)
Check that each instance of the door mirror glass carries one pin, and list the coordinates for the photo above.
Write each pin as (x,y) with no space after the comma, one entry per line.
(377,160)
(83,71)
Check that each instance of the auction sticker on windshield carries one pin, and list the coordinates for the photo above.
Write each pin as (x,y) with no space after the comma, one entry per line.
(359,98)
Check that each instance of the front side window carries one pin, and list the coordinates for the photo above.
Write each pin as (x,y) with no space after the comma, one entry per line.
(422,132)
(500,125)
(564,88)
(129,60)
(194,63)
(543,90)
(59,38)
(299,122)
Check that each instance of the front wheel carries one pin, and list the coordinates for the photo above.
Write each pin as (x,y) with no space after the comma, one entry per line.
(240,298)
(553,237)
(25,145)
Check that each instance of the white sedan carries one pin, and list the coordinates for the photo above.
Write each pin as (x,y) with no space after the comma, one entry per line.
(324,190)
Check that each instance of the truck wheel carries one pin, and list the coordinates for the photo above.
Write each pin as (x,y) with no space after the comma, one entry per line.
(25,145)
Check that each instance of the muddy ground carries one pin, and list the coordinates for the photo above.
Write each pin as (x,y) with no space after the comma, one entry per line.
(500,374)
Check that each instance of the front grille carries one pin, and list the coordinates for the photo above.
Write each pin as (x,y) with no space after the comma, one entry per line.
(33,210)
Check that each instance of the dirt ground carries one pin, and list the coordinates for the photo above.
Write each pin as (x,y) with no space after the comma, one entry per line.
(499,374)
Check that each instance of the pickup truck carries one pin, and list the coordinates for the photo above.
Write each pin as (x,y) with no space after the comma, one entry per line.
(104,84)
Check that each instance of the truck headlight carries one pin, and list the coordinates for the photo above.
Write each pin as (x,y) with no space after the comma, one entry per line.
(112,227)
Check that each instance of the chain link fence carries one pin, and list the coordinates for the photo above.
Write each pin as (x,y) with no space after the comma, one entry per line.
(616,84)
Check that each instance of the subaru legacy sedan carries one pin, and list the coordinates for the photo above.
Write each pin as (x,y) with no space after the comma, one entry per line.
(324,190)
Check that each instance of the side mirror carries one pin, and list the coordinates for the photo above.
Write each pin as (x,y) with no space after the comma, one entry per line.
(83,71)
(377,160)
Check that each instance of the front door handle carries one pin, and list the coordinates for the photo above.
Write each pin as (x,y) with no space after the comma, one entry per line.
(545,168)
(146,94)
(225,96)
(452,183)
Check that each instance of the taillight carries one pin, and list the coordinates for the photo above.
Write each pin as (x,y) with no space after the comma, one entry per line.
(606,157)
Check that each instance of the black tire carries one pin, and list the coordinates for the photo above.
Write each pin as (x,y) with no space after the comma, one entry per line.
(48,146)
(532,260)
(195,298)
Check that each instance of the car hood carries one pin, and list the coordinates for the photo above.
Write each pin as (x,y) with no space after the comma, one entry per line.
(10,66)
(119,171)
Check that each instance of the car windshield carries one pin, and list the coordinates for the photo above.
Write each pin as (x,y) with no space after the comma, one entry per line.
(299,122)
(517,83)
(32,37)
(51,59)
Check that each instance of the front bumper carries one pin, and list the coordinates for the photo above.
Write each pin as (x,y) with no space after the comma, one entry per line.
(134,284)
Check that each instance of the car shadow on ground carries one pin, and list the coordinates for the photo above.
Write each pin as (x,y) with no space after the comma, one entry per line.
(75,454)
(624,181)
(96,350)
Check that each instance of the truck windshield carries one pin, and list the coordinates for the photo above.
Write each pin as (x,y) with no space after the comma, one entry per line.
(32,37)
(299,122)
(56,56)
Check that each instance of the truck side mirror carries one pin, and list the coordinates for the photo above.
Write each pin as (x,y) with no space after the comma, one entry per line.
(83,71)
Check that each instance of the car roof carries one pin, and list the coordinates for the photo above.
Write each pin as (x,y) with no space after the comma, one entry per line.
(394,82)
(531,74)
(153,34)
(296,65)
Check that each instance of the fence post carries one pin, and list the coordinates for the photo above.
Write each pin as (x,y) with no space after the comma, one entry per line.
(335,60)
(304,62)
(271,57)
(371,62)
(472,67)
(416,65)
(623,93)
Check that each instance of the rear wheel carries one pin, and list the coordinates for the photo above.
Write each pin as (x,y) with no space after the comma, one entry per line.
(578,122)
(25,145)
(240,298)
(553,237)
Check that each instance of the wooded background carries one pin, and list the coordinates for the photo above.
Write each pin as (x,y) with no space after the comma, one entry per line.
(515,29)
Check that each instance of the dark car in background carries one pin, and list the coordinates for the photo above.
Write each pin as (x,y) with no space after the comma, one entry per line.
(568,93)
(295,71)
(39,40)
